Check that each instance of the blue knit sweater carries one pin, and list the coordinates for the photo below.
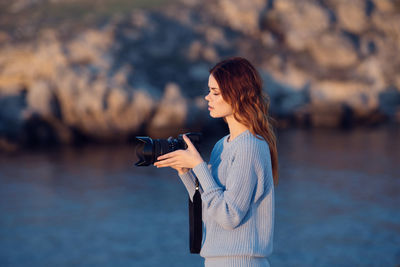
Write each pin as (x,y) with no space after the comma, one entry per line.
(238,198)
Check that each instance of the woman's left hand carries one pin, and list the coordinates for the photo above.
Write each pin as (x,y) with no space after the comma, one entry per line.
(188,158)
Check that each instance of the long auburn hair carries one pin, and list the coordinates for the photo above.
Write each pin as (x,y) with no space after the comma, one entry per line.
(241,87)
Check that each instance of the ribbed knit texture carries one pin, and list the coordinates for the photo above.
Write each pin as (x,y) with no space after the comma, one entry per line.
(238,198)
(242,261)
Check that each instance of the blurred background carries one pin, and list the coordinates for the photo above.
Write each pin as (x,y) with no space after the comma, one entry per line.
(80,79)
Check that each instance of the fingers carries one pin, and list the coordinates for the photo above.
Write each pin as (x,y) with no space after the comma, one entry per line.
(166,163)
(188,142)
(168,155)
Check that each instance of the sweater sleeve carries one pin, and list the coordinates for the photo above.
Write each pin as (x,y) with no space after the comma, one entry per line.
(228,206)
(189,181)
(189,178)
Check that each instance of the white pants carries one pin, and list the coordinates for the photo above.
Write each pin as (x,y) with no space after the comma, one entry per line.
(236,262)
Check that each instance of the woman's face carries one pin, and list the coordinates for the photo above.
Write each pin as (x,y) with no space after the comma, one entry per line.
(216,104)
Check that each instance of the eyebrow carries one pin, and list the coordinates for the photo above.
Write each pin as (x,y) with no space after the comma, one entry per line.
(213,88)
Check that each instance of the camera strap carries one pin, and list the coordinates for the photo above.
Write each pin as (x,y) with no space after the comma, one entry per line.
(195,221)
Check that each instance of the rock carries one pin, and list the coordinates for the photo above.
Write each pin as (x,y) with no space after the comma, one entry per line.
(292,76)
(41,100)
(198,117)
(24,64)
(38,132)
(67,91)
(127,112)
(333,51)
(389,102)
(241,15)
(198,52)
(90,107)
(91,47)
(326,115)
(352,15)
(21,5)
(384,5)
(284,99)
(387,27)
(298,21)
(347,96)
(215,36)
(146,72)
(370,44)
(372,69)
(171,113)
(397,81)
(120,77)
(11,116)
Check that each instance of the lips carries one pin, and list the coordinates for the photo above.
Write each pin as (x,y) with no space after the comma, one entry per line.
(210,107)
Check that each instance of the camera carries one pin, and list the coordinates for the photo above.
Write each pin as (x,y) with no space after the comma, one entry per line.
(150,149)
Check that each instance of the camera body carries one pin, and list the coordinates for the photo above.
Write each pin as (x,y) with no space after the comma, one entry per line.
(150,149)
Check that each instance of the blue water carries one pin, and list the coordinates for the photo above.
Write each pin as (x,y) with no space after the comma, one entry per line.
(337,204)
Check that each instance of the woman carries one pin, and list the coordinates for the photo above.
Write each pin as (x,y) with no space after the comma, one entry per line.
(237,187)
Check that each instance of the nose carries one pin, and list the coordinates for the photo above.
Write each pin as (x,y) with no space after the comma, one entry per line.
(207,97)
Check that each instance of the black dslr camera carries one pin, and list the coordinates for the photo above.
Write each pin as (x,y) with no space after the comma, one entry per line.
(150,149)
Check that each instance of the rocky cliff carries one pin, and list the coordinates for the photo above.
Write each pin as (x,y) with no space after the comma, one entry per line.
(327,63)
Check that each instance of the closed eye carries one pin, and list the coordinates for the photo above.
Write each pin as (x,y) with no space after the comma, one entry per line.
(213,91)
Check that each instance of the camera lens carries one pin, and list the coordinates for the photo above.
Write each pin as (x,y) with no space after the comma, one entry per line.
(150,149)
